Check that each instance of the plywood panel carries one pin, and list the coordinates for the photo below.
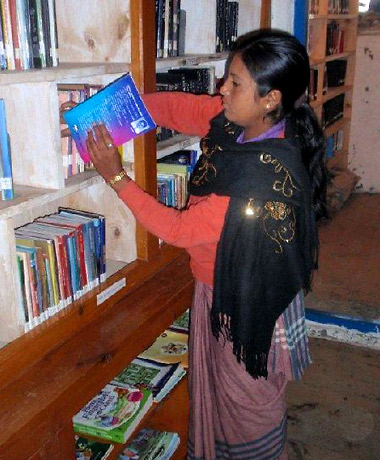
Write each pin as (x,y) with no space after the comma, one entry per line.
(94,31)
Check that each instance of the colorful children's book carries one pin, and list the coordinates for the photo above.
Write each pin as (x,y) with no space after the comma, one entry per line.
(170,347)
(89,449)
(114,413)
(151,444)
(160,378)
(118,106)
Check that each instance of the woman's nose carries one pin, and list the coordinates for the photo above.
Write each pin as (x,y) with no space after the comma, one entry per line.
(224,89)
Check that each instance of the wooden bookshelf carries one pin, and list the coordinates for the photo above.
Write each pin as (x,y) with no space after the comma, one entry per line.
(318,24)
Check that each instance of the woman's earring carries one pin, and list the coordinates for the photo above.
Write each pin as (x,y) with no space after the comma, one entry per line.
(268,106)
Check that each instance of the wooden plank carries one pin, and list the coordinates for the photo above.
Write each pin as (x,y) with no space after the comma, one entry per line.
(89,30)
(143,72)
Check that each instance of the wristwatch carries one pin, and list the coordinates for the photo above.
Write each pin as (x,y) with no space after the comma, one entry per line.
(118,177)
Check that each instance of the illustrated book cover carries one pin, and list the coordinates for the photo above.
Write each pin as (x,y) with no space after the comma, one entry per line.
(160,378)
(151,444)
(113,413)
(118,106)
(89,449)
(169,347)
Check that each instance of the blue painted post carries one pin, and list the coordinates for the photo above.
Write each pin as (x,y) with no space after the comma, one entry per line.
(301,8)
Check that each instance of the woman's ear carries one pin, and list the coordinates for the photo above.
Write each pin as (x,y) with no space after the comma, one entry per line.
(273,99)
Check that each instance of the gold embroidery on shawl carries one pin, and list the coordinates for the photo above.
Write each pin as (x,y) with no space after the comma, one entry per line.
(279,223)
(285,185)
(206,169)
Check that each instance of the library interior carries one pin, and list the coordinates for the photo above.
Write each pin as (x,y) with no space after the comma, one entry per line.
(95,310)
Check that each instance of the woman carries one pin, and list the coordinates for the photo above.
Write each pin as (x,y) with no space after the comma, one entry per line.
(250,230)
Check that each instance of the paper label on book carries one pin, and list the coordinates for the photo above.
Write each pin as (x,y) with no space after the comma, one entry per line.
(6,183)
(110,291)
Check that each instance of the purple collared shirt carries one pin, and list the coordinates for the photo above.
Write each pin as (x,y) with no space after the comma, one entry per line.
(272,132)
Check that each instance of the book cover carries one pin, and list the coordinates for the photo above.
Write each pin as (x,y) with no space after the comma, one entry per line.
(99,222)
(170,347)
(151,444)
(89,449)
(182,323)
(6,179)
(118,106)
(158,377)
(113,413)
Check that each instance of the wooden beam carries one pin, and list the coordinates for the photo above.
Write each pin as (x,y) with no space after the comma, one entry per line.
(265,18)
(143,67)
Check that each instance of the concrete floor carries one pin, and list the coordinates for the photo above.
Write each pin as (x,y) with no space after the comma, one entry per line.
(334,412)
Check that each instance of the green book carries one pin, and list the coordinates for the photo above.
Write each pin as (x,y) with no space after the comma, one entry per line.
(113,413)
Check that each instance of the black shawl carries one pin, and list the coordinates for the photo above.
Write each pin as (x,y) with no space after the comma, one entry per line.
(268,246)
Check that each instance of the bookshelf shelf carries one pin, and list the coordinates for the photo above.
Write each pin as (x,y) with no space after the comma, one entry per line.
(190,59)
(177,142)
(344,17)
(333,92)
(65,71)
(339,124)
(333,57)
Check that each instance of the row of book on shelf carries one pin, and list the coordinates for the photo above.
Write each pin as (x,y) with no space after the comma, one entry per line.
(334,75)
(171,27)
(333,7)
(113,415)
(60,257)
(28,34)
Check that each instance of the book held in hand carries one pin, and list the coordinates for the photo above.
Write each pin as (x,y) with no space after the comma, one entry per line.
(151,444)
(118,106)
(113,413)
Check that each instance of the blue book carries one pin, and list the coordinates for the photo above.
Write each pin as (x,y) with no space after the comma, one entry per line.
(6,181)
(118,106)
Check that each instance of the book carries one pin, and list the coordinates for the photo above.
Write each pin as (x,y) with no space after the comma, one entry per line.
(113,413)
(151,444)
(118,106)
(160,378)
(89,449)
(182,323)
(170,347)
(6,178)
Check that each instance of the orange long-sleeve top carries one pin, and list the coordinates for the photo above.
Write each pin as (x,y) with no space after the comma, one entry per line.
(198,227)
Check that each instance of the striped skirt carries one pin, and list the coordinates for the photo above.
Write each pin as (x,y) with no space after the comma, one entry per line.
(232,415)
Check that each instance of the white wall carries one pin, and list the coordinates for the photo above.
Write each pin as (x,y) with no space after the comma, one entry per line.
(364,150)
(282,15)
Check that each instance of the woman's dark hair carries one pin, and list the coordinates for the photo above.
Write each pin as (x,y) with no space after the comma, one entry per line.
(277,60)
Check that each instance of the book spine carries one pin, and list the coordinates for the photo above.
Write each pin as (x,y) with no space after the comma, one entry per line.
(3,58)
(54,32)
(34,35)
(6,180)
(15,34)
(22,13)
(7,34)
(45,24)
